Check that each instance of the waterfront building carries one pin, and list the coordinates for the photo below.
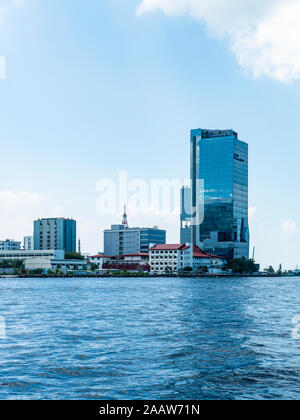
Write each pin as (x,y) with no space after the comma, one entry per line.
(10,245)
(27,254)
(130,263)
(28,243)
(168,259)
(218,197)
(121,240)
(55,233)
(99,260)
(45,260)
(134,263)
(33,259)
(212,264)
(296,272)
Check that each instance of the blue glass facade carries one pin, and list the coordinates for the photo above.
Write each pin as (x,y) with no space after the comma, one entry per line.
(220,159)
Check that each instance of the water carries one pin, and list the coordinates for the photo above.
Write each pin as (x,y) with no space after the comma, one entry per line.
(149,339)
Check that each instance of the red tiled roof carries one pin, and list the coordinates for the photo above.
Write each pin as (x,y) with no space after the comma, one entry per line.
(170,247)
(199,253)
(100,256)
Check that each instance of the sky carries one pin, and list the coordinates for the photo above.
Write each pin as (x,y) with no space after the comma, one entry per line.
(88,89)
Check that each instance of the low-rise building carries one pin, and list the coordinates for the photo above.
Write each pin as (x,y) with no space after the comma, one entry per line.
(297,272)
(27,254)
(34,259)
(202,261)
(134,263)
(168,259)
(99,260)
(69,265)
(10,245)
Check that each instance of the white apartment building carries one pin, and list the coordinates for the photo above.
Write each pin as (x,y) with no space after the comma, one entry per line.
(167,259)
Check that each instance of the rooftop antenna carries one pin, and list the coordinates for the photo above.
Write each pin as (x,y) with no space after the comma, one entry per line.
(125,219)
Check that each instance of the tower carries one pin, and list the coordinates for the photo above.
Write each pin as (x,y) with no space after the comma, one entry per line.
(125,219)
(218,197)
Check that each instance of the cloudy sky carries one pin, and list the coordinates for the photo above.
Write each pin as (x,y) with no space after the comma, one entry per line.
(91,88)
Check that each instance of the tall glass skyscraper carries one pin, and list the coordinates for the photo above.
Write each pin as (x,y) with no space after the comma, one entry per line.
(219,190)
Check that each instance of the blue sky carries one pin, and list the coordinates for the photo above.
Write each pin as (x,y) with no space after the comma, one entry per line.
(94,89)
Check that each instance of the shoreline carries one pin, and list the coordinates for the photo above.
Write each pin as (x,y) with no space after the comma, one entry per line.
(139,276)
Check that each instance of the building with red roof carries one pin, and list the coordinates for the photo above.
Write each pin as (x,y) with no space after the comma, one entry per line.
(174,258)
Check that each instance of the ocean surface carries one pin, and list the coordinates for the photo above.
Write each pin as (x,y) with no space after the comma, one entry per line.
(149,338)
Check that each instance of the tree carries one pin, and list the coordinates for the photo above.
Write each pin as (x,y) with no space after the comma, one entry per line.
(16,264)
(36,272)
(73,256)
(270,270)
(242,266)
(94,267)
(168,271)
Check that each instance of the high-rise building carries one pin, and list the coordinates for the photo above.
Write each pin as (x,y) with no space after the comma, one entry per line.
(10,245)
(28,243)
(55,234)
(119,240)
(185,219)
(219,190)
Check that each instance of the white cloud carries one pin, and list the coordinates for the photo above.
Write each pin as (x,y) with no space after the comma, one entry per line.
(6,5)
(15,200)
(289,227)
(264,35)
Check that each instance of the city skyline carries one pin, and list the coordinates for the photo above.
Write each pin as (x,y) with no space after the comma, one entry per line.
(64,127)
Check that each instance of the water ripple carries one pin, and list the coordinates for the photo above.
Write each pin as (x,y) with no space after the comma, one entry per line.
(149,339)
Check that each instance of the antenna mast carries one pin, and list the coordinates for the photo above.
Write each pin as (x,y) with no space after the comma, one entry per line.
(125,219)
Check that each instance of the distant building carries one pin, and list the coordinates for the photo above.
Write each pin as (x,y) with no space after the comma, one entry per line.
(28,243)
(131,263)
(45,260)
(10,245)
(185,215)
(33,259)
(53,233)
(167,259)
(121,240)
(220,160)
(24,255)
(99,260)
